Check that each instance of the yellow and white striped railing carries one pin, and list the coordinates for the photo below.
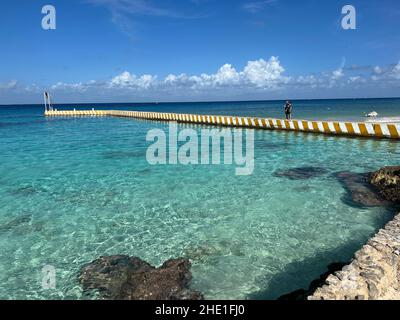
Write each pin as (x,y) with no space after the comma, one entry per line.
(365,129)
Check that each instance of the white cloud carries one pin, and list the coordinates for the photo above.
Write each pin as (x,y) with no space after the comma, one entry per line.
(143,7)
(396,71)
(256,6)
(337,74)
(9,85)
(308,81)
(258,78)
(124,12)
(377,70)
(388,73)
(127,80)
(356,79)
(77,87)
(263,73)
(227,75)
(259,73)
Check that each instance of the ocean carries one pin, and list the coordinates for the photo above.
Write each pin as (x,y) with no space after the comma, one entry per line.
(74,189)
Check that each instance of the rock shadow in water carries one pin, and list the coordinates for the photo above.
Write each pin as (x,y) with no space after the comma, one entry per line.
(302,294)
(286,285)
(26,191)
(300,173)
(270,146)
(15,222)
(360,193)
(118,155)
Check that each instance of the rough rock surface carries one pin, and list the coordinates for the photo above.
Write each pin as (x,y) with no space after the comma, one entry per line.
(387,182)
(122,277)
(374,274)
(360,190)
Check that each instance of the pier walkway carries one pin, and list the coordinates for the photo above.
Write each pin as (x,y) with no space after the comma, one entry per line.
(364,129)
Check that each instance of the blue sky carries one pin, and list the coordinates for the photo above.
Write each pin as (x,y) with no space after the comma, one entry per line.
(196,50)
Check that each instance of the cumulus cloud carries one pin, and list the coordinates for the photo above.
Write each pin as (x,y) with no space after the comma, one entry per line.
(258,78)
(127,80)
(259,73)
(263,73)
(227,75)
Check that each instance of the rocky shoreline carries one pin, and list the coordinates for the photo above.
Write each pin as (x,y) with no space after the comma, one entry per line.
(374,273)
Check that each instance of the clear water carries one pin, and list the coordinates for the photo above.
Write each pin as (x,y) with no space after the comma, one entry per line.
(81,188)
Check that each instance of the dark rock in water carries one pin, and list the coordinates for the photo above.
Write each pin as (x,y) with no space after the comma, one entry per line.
(387,182)
(122,277)
(300,173)
(303,189)
(116,155)
(359,189)
(269,146)
(26,190)
(145,171)
(16,222)
(201,253)
(208,251)
(302,294)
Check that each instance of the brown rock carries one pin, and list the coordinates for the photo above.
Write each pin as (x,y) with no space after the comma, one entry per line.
(122,277)
(387,182)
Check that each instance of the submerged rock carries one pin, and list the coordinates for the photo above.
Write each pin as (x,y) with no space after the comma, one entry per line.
(359,190)
(24,191)
(16,222)
(300,173)
(387,182)
(117,155)
(207,251)
(122,277)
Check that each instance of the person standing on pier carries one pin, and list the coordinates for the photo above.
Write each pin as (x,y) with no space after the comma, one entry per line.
(288,110)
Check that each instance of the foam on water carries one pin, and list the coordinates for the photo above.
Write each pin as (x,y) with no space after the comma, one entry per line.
(384,120)
(73,190)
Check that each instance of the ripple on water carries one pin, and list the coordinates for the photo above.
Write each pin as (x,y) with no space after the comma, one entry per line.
(88,195)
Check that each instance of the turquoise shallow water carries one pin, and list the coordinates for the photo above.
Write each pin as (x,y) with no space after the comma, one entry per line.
(74,189)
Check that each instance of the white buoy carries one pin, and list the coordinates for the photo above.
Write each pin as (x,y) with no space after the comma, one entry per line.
(372,114)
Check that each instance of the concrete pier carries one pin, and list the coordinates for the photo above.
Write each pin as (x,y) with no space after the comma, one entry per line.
(361,129)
